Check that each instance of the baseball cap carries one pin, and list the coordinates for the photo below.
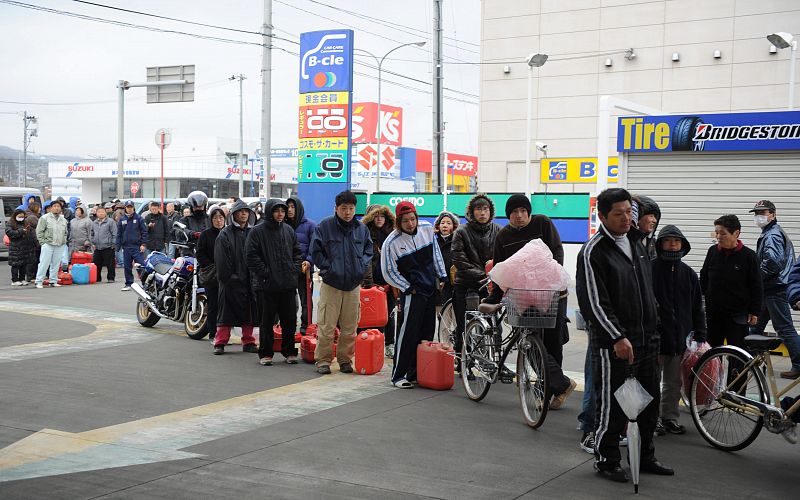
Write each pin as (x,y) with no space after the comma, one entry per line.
(764,205)
(128,203)
(404,207)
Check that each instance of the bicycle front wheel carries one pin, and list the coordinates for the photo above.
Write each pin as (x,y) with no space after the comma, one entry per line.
(476,361)
(447,323)
(723,423)
(534,392)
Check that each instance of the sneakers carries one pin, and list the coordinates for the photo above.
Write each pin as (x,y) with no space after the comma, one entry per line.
(660,430)
(39,285)
(249,348)
(346,368)
(16,283)
(623,440)
(558,401)
(587,442)
(291,360)
(265,361)
(673,427)
(55,285)
(790,434)
(219,350)
(324,369)
(389,351)
(25,282)
(612,473)
(126,288)
(403,384)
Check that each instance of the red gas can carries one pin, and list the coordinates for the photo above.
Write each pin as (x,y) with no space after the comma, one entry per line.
(308,345)
(277,338)
(81,258)
(369,352)
(435,366)
(373,308)
(92,272)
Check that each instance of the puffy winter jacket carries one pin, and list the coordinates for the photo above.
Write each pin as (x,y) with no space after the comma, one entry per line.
(615,293)
(104,233)
(378,234)
(158,233)
(237,305)
(731,281)
(412,262)
(680,301)
(473,244)
(793,290)
(80,234)
(273,253)
(775,255)
(303,228)
(131,231)
(22,241)
(342,251)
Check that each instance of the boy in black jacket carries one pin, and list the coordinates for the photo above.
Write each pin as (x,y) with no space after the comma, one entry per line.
(680,307)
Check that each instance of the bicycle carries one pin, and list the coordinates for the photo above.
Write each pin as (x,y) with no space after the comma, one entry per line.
(731,393)
(446,324)
(485,349)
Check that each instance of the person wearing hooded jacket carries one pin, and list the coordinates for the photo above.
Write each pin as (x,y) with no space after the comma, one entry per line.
(275,259)
(680,312)
(379,219)
(80,232)
(204,253)
(646,216)
(22,246)
(472,248)
(236,305)
(444,226)
(304,230)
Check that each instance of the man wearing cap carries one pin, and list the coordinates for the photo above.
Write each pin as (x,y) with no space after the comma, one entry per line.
(471,249)
(132,239)
(341,248)
(51,231)
(522,228)
(776,257)
(411,262)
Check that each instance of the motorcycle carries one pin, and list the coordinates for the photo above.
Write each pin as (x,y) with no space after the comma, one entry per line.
(170,290)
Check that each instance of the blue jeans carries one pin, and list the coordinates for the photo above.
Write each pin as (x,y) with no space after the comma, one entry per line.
(50,257)
(129,255)
(776,307)
(118,256)
(587,415)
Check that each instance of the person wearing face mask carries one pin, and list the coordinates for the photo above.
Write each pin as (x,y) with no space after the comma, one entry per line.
(445,225)
(730,280)
(776,258)
(22,246)
(680,311)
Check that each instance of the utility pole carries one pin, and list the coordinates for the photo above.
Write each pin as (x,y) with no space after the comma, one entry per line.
(240,160)
(266,96)
(438,125)
(27,133)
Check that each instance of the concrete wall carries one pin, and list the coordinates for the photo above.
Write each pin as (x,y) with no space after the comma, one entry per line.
(579,35)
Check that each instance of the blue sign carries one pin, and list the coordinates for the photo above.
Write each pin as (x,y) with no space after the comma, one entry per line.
(326,61)
(719,132)
(557,171)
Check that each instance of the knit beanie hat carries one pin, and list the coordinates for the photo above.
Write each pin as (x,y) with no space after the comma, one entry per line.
(516,201)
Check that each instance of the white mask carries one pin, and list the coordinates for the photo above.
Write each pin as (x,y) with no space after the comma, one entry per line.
(20,219)
(761,220)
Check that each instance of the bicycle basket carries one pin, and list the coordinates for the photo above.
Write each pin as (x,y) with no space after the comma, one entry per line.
(532,308)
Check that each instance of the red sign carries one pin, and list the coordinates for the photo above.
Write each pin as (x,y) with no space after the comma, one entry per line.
(323,121)
(462,165)
(365,124)
(134,187)
(367,157)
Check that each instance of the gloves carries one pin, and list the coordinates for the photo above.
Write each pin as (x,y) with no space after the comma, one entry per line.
(196,234)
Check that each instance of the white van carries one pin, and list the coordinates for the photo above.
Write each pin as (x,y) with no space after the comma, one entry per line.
(10,199)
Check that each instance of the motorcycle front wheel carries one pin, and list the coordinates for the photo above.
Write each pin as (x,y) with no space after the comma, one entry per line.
(144,315)
(195,323)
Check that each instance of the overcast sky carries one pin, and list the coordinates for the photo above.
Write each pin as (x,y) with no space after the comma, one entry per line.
(52,58)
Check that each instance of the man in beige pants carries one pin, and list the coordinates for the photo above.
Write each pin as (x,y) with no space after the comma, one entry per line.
(342,249)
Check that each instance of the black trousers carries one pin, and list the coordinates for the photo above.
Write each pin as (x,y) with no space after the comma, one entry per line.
(417,323)
(722,326)
(553,341)
(18,273)
(212,302)
(301,292)
(609,374)
(280,303)
(460,291)
(105,258)
(33,265)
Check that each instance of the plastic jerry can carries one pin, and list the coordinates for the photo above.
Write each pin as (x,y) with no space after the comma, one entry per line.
(369,352)
(374,312)
(277,336)
(435,366)
(308,346)
(81,258)
(92,273)
(80,274)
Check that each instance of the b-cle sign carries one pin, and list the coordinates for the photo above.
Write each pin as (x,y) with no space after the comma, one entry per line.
(576,170)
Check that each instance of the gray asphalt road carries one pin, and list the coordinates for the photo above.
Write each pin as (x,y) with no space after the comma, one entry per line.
(94,406)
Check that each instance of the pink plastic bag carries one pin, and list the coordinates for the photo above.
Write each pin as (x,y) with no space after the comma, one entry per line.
(707,388)
(531,268)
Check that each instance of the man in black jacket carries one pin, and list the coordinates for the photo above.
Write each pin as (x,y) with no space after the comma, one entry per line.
(158,229)
(274,259)
(521,229)
(680,311)
(237,305)
(471,249)
(615,294)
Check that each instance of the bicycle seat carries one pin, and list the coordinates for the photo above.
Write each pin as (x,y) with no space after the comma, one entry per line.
(489,308)
(762,342)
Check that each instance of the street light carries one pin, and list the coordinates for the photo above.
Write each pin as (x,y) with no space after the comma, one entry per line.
(783,40)
(380,116)
(533,61)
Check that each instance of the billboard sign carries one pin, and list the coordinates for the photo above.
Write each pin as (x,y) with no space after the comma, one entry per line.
(575,170)
(326,61)
(366,157)
(462,165)
(365,124)
(713,132)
